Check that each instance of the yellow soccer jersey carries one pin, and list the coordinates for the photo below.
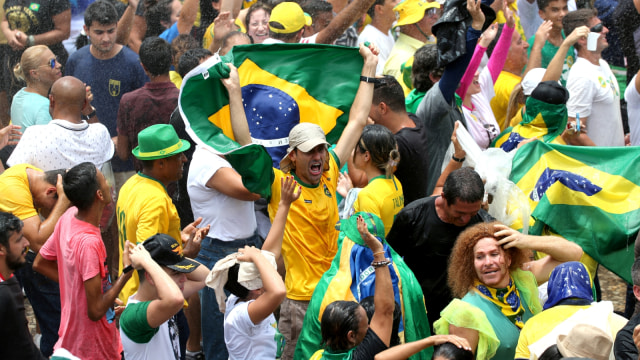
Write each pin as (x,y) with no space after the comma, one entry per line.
(16,197)
(310,237)
(144,209)
(383,198)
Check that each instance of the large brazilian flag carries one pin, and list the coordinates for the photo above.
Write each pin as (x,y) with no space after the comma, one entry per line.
(351,277)
(282,85)
(588,195)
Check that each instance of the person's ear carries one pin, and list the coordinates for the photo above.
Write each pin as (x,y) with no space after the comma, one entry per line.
(636,291)
(351,336)
(51,190)
(3,250)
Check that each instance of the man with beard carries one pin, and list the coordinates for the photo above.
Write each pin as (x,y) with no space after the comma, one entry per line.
(15,340)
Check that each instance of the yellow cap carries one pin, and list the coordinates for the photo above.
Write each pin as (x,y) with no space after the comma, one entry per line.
(290,16)
(412,11)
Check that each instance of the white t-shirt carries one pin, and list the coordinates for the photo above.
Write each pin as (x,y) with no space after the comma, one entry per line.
(481,122)
(383,41)
(244,339)
(633,111)
(142,342)
(61,144)
(594,93)
(230,219)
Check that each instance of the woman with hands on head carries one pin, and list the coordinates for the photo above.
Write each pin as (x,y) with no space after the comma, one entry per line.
(490,273)
(249,324)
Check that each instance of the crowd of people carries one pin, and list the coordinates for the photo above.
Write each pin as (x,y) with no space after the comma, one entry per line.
(132,240)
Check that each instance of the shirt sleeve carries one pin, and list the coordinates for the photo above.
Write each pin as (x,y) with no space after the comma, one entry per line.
(134,323)
(48,250)
(369,347)
(581,94)
(58,6)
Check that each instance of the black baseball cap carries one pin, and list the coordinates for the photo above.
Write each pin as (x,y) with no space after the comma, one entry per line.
(166,251)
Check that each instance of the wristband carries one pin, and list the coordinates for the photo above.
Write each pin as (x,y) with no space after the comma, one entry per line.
(454,158)
(127,269)
(371,80)
(31,40)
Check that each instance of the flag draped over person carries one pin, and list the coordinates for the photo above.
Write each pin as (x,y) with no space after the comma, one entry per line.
(588,195)
(282,85)
(540,120)
(351,277)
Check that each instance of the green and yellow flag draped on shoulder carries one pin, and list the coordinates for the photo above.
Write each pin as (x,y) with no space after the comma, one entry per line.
(588,195)
(282,85)
(351,277)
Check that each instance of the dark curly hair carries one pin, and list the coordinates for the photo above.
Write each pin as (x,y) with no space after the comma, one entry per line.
(462,272)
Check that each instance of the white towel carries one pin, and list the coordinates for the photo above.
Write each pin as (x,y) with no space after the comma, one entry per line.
(248,275)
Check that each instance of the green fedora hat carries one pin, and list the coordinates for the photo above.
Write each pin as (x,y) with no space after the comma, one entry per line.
(159,141)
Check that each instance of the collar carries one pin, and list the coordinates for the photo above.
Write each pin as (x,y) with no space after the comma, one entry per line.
(70,125)
(154,179)
(159,85)
(3,279)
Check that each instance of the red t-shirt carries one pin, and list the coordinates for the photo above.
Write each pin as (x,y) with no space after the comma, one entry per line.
(81,255)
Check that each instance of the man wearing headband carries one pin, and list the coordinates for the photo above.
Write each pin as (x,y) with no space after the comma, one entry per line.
(149,324)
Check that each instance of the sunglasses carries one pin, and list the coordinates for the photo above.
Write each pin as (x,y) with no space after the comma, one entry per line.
(597,28)
(52,63)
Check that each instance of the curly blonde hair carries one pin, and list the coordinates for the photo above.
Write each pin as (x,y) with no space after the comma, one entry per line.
(462,272)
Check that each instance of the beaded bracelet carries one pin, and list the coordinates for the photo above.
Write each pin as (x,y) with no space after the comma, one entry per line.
(377,264)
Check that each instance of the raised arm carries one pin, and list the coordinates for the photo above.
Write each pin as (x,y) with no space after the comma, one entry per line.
(343,20)
(273,286)
(404,351)
(125,24)
(554,70)
(454,71)
(238,117)
(558,249)
(458,153)
(501,51)
(535,51)
(382,319)
(360,108)
(188,16)
(170,299)
(486,39)
(290,192)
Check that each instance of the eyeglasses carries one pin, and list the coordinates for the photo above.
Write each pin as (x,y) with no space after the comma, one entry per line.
(52,63)
(597,28)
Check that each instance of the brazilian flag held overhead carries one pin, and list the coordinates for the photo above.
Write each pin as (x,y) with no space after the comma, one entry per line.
(588,195)
(282,85)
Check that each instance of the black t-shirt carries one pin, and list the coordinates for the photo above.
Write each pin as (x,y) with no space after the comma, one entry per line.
(35,17)
(15,340)
(369,347)
(624,348)
(425,242)
(414,161)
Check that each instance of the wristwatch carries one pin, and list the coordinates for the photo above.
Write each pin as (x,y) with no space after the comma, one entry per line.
(31,40)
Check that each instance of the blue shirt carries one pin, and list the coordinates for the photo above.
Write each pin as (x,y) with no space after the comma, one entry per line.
(109,80)
(170,33)
(28,109)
